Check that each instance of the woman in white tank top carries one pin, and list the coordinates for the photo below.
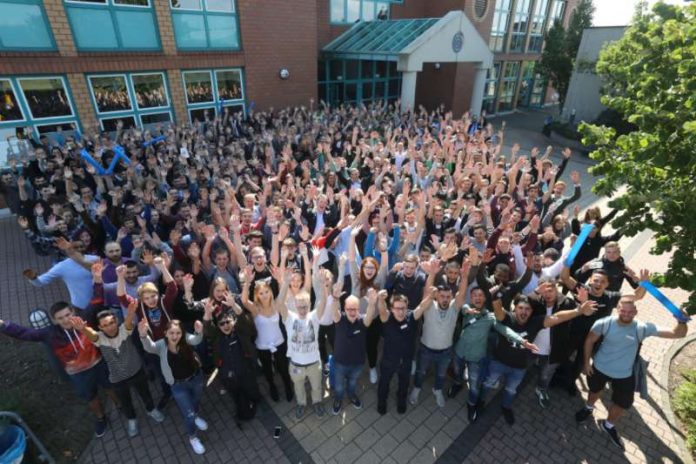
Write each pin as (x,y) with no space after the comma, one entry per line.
(270,341)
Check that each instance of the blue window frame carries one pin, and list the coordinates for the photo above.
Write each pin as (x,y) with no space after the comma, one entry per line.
(208,91)
(137,99)
(205,24)
(24,26)
(350,11)
(113,25)
(43,103)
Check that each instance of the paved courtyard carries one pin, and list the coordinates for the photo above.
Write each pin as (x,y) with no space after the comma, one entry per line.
(424,434)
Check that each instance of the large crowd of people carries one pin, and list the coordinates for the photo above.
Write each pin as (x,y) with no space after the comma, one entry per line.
(318,243)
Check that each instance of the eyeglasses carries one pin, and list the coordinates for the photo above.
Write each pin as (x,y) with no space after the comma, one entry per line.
(227,322)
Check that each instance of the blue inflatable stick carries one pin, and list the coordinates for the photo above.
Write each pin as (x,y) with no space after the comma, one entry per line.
(161,138)
(584,233)
(120,156)
(88,158)
(662,298)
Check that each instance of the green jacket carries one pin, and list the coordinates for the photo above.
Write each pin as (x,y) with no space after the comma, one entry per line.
(473,340)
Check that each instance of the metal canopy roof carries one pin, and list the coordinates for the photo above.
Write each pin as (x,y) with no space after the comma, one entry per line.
(378,39)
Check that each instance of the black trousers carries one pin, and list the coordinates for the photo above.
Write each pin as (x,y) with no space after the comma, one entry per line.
(278,360)
(372,341)
(327,333)
(122,390)
(244,390)
(388,368)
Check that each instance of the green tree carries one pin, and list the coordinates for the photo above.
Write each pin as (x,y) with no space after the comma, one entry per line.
(561,48)
(649,75)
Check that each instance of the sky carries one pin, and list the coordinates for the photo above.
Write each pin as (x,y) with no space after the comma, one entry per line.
(619,12)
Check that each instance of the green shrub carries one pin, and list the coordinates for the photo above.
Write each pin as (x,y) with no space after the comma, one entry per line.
(685,405)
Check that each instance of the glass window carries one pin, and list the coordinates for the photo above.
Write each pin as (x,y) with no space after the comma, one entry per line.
(102,2)
(199,87)
(501,18)
(350,11)
(557,12)
(111,124)
(220,5)
(368,11)
(132,2)
(9,108)
(367,69)
(204,24)
(235,109)
(151,121)
(352,69)
(229,84)
(351,92)
(202,114)
(46,97)
(110,93)
(114,25)
(150,91)
(336,70)
(353,10)
(24,26)
(338,11)
(367,91)
(321,71)
(186,4)
(519,26)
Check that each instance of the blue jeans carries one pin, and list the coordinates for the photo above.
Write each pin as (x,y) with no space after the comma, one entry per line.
(513,378)
(187,395)
(343,373)
(426,356)
(477,372)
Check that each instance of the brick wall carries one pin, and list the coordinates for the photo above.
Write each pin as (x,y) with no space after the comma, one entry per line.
(61,27)
(279,34)
(166,29)
(176,89)
(82,100)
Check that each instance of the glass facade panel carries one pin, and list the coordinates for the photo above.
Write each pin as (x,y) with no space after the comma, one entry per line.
(557,12)
(205,24)
(110,93)
(9,106)
(229,84)
(150,91)
(508,85)
(536,34)
(519,25)
(199,87)
(350,11)
(489,93)
(113,25)
(501,18)
(152,121)
(111,124)
(364,81)
(202,114)
(46,97)
(24,26)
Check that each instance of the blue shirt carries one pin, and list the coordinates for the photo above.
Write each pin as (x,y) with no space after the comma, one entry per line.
(76,278)
(619,347)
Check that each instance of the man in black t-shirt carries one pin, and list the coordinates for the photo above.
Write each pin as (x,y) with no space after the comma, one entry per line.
(594,290)
(510,360)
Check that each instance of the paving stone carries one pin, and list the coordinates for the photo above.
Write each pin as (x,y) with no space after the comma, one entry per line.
(368,438)
(385,445)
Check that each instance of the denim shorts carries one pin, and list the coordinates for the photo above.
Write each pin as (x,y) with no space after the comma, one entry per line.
(86,382)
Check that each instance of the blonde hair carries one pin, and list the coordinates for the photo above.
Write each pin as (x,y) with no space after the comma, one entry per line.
(147,287)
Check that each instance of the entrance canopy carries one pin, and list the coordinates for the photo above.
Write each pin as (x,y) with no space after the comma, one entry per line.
(412,42)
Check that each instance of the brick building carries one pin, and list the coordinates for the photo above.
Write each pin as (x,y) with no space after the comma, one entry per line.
(72,64)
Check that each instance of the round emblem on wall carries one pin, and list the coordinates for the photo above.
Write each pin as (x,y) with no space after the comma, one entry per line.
(458,42)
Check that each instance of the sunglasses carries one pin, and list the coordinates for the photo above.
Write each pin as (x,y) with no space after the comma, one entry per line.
(226,322)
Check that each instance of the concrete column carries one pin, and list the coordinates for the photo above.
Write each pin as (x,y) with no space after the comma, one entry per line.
(477,92)
(408,89)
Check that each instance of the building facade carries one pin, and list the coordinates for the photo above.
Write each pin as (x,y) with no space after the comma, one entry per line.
(584,90)
(67,65)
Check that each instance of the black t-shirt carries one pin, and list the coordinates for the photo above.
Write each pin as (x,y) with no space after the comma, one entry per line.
(399,338)
(349,343)
(605,305)
(513,354)
(181,368)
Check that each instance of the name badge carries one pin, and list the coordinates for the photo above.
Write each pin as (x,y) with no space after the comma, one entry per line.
(356,332)
(403,326)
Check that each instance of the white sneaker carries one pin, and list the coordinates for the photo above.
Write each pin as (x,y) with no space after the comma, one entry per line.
(156,415)
(413,398)
(201,424)
(373,375)
(439,398)
(132,427)
(196,445)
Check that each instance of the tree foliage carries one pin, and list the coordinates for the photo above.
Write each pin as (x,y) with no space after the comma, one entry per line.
(650,79)
(561,48)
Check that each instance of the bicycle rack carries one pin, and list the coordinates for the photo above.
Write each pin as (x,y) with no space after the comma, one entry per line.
(44,456)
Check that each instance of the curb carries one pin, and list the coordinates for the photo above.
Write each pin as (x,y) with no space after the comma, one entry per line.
(665,397)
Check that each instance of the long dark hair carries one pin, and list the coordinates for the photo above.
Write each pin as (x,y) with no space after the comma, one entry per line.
(184,349)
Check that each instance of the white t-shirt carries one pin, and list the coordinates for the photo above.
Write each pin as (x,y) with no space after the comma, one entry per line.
(438,326)
(543,338)
(303,338)
(327,317)
(269,335)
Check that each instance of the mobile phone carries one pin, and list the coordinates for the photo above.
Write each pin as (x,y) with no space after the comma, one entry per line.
(276,432)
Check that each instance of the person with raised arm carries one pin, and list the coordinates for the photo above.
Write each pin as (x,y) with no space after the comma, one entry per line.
(181,369)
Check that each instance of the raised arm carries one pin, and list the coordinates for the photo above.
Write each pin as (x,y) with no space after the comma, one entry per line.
(460,297)
(426,302)
(248,304)
(588,308)
(371,307)
(382,305)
